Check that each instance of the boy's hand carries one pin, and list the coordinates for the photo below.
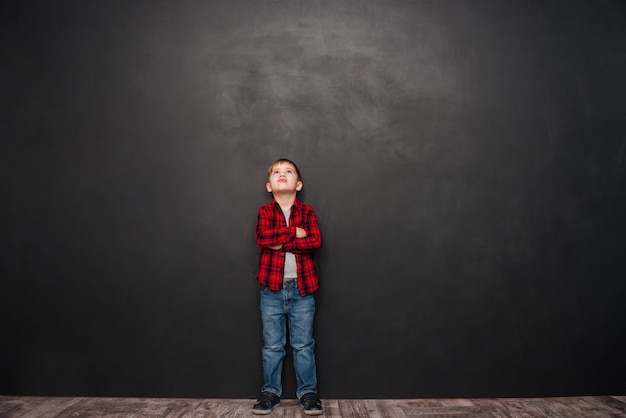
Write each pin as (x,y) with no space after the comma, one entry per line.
(300,233)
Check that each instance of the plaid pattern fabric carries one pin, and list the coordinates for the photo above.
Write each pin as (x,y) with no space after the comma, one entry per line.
(272,230)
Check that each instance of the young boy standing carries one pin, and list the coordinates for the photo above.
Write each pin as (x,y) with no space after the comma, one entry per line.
(288,234)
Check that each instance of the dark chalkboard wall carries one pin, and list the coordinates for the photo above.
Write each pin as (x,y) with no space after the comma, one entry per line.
(466,159)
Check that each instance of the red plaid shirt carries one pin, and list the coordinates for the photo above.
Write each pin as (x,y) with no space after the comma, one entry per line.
(272,230)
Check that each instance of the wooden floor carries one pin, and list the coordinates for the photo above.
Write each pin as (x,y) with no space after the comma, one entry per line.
(591,406)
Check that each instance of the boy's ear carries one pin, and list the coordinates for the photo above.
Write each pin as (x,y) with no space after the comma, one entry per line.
(299,186)
(268,186)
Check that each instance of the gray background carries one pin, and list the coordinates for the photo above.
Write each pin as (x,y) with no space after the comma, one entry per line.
(466,160)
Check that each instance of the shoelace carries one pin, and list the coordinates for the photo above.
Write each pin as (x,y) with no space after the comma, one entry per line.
(266,399)
(311,400)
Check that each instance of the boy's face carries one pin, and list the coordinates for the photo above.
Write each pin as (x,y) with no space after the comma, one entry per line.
(283,178)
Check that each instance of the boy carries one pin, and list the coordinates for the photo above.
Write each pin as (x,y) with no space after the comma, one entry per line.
(288,234)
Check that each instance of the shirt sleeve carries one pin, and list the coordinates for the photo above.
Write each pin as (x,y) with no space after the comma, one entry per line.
(267,235)
(313,239)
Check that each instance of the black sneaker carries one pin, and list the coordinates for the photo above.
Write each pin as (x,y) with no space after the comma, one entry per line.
(266,402)
(311,404)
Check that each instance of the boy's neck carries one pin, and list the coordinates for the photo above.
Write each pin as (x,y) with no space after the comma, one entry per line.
(285,201)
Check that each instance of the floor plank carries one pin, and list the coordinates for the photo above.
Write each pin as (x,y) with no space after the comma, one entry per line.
(59,407)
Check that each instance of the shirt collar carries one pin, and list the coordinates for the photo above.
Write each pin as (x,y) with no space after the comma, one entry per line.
(296,204)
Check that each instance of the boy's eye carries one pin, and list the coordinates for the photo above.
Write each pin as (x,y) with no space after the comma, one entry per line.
(287,172)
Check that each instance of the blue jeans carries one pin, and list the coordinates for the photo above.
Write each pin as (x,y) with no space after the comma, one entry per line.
(279,309)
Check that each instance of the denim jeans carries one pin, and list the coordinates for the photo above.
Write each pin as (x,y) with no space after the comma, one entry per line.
(278,310)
